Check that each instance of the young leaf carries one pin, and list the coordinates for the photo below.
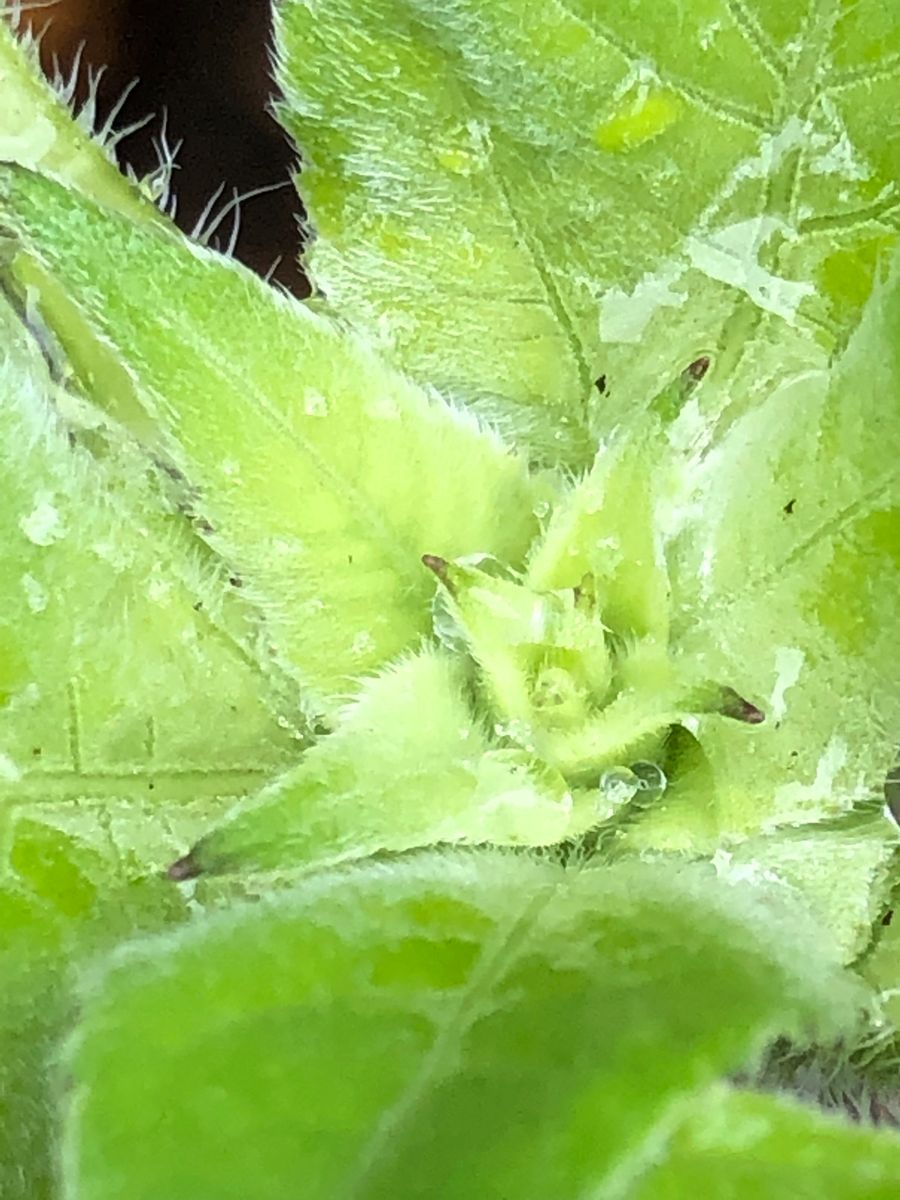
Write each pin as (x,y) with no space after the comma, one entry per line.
(406,1030)
(518,201)
(741,1146)
(406,767)
(321,475)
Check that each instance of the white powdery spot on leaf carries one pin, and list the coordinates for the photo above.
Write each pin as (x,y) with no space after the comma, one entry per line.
(9,771)
(624,316)
(30,145)
(731,256)
(819,794)
(43,525)
(788,664)
(35,593)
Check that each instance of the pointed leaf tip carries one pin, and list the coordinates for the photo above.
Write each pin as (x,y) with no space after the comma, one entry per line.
(184,868)
(739,709)
(435,563)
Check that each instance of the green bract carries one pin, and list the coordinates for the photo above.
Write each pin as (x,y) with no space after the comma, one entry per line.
(564,518)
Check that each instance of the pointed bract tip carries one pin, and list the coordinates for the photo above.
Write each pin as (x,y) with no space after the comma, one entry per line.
(435,563)
(739,709)
(184,868)
(698,368)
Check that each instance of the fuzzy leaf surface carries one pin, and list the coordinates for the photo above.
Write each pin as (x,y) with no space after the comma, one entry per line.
(319,475)
(468,168)
(741,1146)
(38,131)
(109,624)
(374,1034)
(391,779)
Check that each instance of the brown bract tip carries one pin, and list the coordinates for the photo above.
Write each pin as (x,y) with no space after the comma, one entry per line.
(698,368)
(739,709)
(435,563)
(184,868)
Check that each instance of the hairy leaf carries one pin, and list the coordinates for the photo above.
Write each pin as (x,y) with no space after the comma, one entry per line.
(321,476)
(741,1146)
(406,1030)
(407,766)
(37,131)
(110,625)
(516,201)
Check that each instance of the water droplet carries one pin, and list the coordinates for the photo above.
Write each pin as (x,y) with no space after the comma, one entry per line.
(43,525)
(618,786)
(314,403)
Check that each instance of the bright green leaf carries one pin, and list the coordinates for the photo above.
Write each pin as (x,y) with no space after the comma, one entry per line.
(37,131)
(321,476)
(112,624)
(518,200)
(407,766)
(784,557)
(61,900)
(741,1146)
(406,1030)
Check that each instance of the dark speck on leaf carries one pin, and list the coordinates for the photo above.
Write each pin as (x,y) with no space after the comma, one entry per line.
(888,917)
(350,559)
(600,384)
(789,507)
(235,581)
(198,606)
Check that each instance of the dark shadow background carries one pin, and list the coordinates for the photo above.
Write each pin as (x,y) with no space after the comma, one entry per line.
(205,64)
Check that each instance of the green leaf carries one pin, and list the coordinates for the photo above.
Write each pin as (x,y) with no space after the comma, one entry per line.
(515,201)
(62,899)
(404,1030)
(741,1146)
(38,131)
(112,625)
(882,969)
(321,476)
(784,573)
(407,766)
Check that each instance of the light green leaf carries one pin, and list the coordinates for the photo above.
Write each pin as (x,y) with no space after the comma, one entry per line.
(783,584)
(61,900)
(741,1146)
(882,969)
(320,475)
(407,766)
(38,131)
(516,201)
(404,1030)
(112,625)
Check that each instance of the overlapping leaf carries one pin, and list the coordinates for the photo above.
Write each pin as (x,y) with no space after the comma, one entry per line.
(517,201)
(320,475)
(408,766)
(408,1030)
(740,1146)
